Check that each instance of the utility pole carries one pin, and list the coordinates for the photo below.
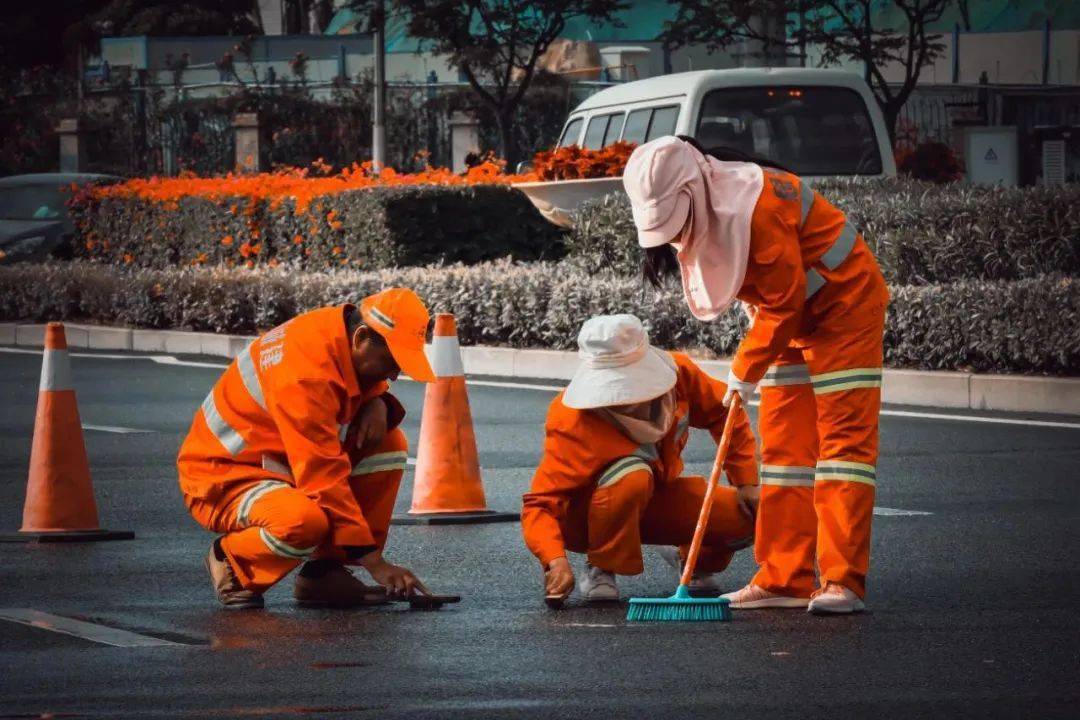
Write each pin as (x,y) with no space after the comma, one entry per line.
(378,129)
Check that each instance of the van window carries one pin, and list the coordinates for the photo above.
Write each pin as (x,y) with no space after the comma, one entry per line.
(650,123)
(810,130)
(663,122)
(570,134)
(637,124)
(614,129)
(603,130)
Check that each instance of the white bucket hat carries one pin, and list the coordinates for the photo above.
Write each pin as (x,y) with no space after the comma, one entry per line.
(618,366)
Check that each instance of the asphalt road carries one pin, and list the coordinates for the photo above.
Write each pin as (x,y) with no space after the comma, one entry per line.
(973,606)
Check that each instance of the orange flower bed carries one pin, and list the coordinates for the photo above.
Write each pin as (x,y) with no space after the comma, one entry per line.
(575,163)
(301,185)
(298,184)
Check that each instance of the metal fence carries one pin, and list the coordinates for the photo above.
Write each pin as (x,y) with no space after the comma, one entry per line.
(162,131)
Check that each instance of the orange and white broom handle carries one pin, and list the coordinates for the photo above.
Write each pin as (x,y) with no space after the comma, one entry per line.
(714,480)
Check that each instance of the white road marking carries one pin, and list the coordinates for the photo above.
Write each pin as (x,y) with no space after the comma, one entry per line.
(170,360)
(115,429)
(588,625)
(896,512)
(85,630)
(980,419)
(522,386)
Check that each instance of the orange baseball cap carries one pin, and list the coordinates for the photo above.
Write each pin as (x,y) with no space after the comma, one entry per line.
(399,315)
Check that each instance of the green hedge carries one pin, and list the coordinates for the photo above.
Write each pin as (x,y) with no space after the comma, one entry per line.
(1027,326)
(371,229)
(922,233)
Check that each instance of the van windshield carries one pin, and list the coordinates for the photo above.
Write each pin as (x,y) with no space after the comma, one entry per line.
(809,130)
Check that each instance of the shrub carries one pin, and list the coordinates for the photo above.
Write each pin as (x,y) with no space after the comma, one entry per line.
(921,233)
(371,228)
(988,326)
(931,161)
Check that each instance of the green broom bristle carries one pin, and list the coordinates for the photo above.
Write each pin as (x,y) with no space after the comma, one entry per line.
(680,607)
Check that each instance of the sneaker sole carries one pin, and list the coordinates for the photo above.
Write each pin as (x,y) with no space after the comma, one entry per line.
(243,606)
(774,603)
(857,608)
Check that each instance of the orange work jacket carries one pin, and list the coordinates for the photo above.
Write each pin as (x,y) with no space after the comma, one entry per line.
(809,274)
(281,411)
(580,447)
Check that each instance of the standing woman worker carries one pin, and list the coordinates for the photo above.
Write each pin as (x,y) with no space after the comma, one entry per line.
(816,298)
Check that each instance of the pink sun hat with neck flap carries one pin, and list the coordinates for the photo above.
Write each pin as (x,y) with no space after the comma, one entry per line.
(656,186)
(669,182)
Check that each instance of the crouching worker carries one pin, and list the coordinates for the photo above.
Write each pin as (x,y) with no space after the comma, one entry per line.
(610,479)
(296,455)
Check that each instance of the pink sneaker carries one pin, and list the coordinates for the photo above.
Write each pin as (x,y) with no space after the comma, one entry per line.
(753,597)
(835,599)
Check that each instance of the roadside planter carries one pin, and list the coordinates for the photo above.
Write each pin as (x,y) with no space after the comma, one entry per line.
(558,200)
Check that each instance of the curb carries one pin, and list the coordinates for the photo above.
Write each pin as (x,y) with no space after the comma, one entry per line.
(954,390)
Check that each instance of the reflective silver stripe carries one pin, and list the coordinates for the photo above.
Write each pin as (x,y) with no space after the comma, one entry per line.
(649,453)
(620,469)
(786,375)
(841,248)
(787,475)
(55,371)
(266,486)
(814,282)
(381,318)
(275,466)
(846,471)
(223,431)
(246,366)
(283,549)
(683,426)
(381,463)
(806,194)
(841,380)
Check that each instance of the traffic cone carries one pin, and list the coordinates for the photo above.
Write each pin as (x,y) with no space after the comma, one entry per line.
(60,503)
(447,489)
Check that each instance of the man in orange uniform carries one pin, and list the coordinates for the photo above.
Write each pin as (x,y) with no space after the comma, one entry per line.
(296,454)
(611,479)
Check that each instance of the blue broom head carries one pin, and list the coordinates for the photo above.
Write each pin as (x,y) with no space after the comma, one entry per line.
(680,607)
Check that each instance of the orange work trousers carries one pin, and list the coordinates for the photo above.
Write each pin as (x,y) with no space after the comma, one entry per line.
(818,424)
(612,523)
(270,527)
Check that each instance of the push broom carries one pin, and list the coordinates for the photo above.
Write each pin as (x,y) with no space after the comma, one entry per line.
(683,607)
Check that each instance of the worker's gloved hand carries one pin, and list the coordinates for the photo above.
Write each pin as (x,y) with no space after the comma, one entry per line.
(371,424)
(398,581)
(735,385)
(558,578)
(748,497)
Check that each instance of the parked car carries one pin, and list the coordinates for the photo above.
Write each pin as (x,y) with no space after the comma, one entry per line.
(34,221)
(818,123)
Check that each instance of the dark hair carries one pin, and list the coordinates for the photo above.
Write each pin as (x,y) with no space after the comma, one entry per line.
(728,154)
(660,262)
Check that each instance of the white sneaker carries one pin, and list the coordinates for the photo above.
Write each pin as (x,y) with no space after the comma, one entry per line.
(699,582)
(753,597)
(598,585)
(835,599)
